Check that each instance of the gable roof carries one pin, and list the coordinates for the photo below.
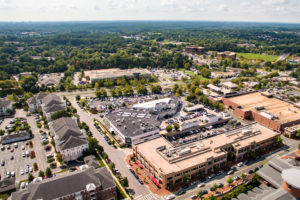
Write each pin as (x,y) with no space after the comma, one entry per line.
(31,100)
(7,184)
(4,103)
(54,108)
(40,96)
(72,142)
(51,99)
(66,184)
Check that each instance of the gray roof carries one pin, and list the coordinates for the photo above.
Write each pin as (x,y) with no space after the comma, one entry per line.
(63,121)
(271,175)
(73,142)
(9,137)
(40,96)
(7,184)
(243,197)
(4,103)
(51,99)
(91,161)
(54,108)
(279,194)
(133,122)
(66,184)
(31,100)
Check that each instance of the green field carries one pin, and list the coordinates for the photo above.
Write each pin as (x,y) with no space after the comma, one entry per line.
(253,56)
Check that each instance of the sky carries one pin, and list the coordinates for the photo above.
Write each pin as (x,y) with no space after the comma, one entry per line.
(98,10)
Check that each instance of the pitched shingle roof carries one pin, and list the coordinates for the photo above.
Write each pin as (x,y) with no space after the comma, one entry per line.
(72,142)
(4,103)
(63,185)
(54,108)
(51,99)
(31,100)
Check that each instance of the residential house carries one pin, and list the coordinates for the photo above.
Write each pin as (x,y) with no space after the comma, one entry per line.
(5,106)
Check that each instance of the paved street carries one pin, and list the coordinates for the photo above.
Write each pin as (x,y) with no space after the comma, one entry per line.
(291,145)
(116,155)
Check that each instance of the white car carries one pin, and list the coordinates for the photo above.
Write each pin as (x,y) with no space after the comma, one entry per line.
(23,147)
(26,170)
(240,164)
(23,154)
(201,185)
(22,172)
(30,169)
(170,197)
(12,174)
(23,184)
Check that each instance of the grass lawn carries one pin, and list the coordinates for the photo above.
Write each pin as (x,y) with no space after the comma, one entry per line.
(101,164)
(120,193)
(254,56)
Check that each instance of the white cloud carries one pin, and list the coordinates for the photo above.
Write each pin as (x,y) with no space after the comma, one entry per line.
(74,7)
(169,4)
(274,2)
(223,8)
(245,4)
(96,7)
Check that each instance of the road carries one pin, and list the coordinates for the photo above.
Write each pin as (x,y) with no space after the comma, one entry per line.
(283,56)
(117,156)
(291,145)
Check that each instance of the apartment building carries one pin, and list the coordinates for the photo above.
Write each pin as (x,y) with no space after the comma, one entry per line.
(169,164)
(5,106)
(87,184)
(49,103)
(70,141)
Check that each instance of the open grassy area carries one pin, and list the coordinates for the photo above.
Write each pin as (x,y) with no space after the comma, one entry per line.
(254,56)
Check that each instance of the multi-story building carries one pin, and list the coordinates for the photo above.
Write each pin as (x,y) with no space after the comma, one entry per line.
(5,106)
(265,109)
(87,184)
(169,164)
(194,49)
(70,141)
(116,73)
(49,103)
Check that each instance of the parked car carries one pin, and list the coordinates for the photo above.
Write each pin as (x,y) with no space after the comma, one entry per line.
(204,192)
(22,172)
(240,164)
(211,176)
(170,197)
(2,163)
(250,171)
(201,185)
(194,196)
(230,172)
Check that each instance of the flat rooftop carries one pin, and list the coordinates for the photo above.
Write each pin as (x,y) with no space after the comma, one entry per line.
(155,151)
(133,122)
(285,112)
(115,73)
(151,104)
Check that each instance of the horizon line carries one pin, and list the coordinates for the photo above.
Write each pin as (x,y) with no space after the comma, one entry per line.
(149,20)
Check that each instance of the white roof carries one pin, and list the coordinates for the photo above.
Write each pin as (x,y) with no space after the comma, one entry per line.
(151,104)
(292,177)
(230,84)
(195,107)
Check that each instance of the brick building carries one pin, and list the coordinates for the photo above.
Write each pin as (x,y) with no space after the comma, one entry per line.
(194,49)
(267,110)
(85,184)
(169,164)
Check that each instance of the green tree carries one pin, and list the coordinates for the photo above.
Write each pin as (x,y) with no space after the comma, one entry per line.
(124,181)
(48,172)
(278,141)
(35,166)
(205,72)
(41,173)
(60,114)
(142,90)
(28,82)
(30,177)
(176,126)
(229,180)
(214,187)
(186,179)
(199,194)
(77,97)
(169,128)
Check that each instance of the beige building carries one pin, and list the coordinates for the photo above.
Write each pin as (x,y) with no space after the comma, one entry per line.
(116,73)
(170,164)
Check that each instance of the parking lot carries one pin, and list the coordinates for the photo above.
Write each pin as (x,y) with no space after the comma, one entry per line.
(16,158)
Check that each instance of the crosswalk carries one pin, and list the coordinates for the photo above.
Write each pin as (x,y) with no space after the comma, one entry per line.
(149,196)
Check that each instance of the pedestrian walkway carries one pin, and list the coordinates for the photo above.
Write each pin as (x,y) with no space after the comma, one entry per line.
(149,196)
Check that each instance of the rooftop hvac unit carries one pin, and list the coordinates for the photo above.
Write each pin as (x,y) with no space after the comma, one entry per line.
(259,107)
(246,131)
(184,151)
